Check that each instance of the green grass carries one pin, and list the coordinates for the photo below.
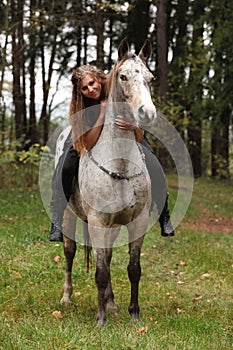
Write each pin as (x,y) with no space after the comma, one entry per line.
(186,289)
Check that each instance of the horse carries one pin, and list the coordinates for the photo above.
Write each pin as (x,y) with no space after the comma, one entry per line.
(113,188)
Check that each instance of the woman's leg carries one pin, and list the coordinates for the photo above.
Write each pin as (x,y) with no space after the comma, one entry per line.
(58,203)
(62,184)
(158,189)
(69,171)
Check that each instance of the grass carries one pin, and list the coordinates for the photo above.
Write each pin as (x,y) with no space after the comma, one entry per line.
(186,287)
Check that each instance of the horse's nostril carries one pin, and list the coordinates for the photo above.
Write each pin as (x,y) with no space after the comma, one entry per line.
(141,110)
(146,114)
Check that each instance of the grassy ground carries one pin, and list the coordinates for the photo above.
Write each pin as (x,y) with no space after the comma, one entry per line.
(186,287)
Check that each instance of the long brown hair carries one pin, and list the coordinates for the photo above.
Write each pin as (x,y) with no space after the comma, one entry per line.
(79,102)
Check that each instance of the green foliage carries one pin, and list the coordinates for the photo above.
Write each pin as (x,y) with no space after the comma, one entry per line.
(222,166)
(26,161)
(32,156)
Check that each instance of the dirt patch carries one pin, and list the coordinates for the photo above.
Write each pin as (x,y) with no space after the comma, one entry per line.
(212,225)
(209,222)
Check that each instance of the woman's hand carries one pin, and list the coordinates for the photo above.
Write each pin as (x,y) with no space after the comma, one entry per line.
(123,124)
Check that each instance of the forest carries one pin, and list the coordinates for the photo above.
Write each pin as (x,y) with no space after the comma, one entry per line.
(42,41)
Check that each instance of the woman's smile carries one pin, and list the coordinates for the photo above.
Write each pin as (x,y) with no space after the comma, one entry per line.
(90,87)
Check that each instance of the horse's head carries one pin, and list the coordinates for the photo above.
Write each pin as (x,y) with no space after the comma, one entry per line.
(132,81)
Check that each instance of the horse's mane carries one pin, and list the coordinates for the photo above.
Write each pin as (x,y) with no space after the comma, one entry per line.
(111,77)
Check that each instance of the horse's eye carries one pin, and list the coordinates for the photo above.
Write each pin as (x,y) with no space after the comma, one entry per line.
(123,77)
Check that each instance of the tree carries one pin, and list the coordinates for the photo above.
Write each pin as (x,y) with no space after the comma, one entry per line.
(18,63)
(220,94)
(162,49)
(138,14)
(32,127)
(4,24)
(194,95)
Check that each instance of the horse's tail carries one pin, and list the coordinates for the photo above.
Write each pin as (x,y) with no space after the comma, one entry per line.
(87,246)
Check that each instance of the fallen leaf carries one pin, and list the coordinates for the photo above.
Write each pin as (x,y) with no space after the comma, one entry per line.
(142,330)
(57,314)
(205,276)
(57,258)
(197,298)
(182,263)
(181,273)
(179,310)
(180,283)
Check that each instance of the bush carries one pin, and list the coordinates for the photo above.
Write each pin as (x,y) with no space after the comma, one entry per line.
(21,166)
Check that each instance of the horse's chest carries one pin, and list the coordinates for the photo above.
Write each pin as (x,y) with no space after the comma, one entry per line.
(121,199)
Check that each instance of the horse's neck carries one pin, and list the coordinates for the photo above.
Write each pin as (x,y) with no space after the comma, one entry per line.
(110,129)
(116,144)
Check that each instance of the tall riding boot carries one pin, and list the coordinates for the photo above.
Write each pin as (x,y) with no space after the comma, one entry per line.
(165,222)
(57,208)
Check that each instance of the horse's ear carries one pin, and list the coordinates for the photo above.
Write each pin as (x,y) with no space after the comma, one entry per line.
(145,51)
(123,49)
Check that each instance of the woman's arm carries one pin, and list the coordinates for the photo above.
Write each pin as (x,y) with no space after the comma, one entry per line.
(122,124)
(91,136)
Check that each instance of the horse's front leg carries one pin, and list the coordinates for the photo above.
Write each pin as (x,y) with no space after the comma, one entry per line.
(69,226)
(102,277)
(134,273)
(109,295)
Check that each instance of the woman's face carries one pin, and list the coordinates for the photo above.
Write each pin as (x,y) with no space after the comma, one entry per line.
(90,87)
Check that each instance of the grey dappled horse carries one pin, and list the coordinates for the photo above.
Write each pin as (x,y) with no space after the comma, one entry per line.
(114,186)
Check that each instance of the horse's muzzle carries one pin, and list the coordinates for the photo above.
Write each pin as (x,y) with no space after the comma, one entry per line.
(147,115)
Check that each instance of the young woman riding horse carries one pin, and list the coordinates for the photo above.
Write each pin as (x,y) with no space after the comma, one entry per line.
(89,90)
(113,186)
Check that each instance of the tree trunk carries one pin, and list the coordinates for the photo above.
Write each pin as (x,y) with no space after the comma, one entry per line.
(215,142)
(195,88)
(33,133)
(99,30)
(3,59)
(46,81)
(17,63)
(162,49)
(195,146)
(138,23)
(110,34)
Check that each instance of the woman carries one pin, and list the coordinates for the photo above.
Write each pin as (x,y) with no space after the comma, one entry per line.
(88,104)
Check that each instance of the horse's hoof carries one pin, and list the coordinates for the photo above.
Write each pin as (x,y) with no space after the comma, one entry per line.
(65,300)
(101,318)
(101,323)
(111,306)
(134,318)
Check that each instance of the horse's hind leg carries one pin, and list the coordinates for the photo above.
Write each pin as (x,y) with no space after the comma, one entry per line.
(69,225)
(134,273)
